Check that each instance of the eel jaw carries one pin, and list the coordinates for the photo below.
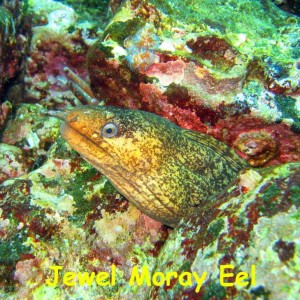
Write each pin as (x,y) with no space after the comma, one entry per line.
(97,156)
(76,140)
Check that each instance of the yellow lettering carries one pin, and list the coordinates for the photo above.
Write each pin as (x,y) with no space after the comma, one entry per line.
(253,277)
(169,276)
(101,278)
(223,274)
(240,277)
(68,277)
(55,279)
(187,281)
(139,279)
(160,281)
(199,280)
(86,278)
(113,275)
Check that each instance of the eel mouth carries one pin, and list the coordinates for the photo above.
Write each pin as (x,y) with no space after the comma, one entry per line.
(76,139)
(95,154)
(69,133)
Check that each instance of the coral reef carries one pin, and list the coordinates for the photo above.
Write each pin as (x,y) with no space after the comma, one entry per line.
(97,12)
(189,65)
(230,69)
(259,230)
(45,221)
(141,48)
(12,162)
(15,34)
(207,78)
(59,42)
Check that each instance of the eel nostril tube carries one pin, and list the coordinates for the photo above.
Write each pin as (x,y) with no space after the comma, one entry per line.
(59,114)
(74,119)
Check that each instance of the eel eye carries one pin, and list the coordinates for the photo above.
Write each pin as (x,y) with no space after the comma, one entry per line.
(109,130)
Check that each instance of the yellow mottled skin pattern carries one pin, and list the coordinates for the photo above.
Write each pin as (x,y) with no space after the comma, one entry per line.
(161,168)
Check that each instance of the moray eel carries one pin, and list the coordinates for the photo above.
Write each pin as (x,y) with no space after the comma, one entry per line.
(161,168)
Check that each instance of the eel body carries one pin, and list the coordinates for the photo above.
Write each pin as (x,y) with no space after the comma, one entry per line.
(161,168)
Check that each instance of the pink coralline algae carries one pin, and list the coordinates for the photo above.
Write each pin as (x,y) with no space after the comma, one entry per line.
(167,73)
(155,101)
(56,43)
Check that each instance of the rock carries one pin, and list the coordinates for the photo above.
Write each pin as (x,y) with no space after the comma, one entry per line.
(253,223)
(228,83)
(231,71)
(192,64)
(33,132)
(58,41)
(15,32)
(65,213)
(12,162)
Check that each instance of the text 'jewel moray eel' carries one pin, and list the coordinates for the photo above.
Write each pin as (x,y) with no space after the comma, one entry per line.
(161,168)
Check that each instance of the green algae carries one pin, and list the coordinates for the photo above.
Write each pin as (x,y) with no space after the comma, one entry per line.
(287,106)
(214,291)
(61,150)
(119,31)
(255,20)
(295,194)
(81,204)
(215,228)
(106,49)
(12,248)
(108,188)
(256,221)
(46,292)
(95,11)
(7,26)
(240,13)
(269,194)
